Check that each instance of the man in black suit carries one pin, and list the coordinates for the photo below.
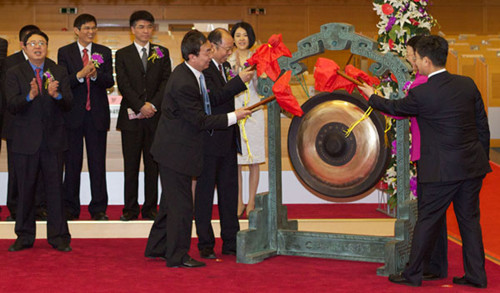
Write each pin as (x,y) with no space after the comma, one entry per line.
(178,149)
(90,72)
(3,54)
(142,71)
(12,191)
(38,92)
(454,159)
(220,166)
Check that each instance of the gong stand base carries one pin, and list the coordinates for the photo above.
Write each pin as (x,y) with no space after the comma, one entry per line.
(260,241)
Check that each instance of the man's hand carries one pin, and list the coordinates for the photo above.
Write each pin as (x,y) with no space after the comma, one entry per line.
(366,89)
(52,88)
(242,113)
(148,110)
(247,74)
(87,71)
(34,89)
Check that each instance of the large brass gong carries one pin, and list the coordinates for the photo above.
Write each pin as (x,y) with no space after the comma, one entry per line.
(328,161)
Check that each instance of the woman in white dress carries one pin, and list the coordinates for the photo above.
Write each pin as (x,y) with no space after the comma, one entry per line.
(251,129)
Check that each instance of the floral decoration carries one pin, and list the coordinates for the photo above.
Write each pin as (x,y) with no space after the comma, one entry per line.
(48,78)
(399,21)
(157,54)
(97,59)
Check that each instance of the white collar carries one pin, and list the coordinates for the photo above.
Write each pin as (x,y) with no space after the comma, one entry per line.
(139,48)
(436,72)
(80,47)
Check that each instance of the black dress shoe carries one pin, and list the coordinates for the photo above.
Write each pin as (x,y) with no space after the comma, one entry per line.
(150,215)
(207,253)
(128,216)
(399,279)
(192,263)
(431,277)
(229,252)
(463,281)
(100,216)
(11,218)
(63,248)
(17,246)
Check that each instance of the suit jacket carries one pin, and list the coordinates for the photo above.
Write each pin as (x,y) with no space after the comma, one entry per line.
(70,57)
(178,142)
(137,86)
(222,102)
(41,118)
(3,54)
(455,135)
(8,63)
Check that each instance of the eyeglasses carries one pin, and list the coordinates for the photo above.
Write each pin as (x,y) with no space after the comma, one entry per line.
(35,43)
(88,28)
(227,49)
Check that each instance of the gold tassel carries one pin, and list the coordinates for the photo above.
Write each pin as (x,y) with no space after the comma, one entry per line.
(365,115)
(242,122)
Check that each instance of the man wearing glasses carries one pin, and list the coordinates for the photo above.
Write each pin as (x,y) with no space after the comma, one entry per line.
(90,71)
(12,191)
(142,71)
(38,92)
(220,166)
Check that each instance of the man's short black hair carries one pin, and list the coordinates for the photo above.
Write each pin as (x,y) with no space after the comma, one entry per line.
(413,41)
(248,28)
(191,43)
(141,15)
(26,29)
(83,19)
(40,33)
(433,47)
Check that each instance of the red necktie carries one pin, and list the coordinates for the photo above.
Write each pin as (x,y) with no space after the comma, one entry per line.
(39,80)
(222,72)
(85,59)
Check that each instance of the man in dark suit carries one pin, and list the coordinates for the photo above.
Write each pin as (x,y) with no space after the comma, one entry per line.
(3,54)
(142,71)
(220,166)
(178,149)
(12,191)
(454,159)
(90,72)
(38,92)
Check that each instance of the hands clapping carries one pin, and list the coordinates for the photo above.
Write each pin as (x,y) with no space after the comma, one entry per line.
(87,71)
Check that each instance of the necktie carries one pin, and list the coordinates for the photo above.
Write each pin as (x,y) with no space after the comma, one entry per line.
(39,80)
(222,72)
(144,59)
(206,99)
(85,59)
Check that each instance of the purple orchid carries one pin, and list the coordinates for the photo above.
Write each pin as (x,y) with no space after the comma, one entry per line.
(413,185)
(390,23)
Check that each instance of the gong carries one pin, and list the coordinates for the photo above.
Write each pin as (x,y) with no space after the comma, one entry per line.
(324,158)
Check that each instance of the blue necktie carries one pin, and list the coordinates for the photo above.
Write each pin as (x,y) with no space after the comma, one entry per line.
(206,99)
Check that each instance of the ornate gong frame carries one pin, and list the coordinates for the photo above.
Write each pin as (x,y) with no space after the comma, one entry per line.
(270,232)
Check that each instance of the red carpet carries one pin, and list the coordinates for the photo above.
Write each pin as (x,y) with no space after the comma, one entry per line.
(490,221)
(295,211)
(118,265)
